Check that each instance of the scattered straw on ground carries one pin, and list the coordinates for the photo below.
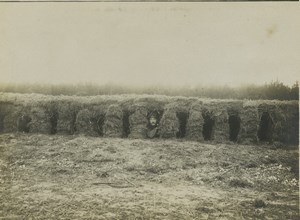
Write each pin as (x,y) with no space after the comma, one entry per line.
(77,177)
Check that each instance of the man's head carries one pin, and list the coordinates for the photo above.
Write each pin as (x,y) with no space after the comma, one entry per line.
(153,120)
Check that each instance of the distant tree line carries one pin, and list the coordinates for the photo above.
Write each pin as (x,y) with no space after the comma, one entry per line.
(274,90)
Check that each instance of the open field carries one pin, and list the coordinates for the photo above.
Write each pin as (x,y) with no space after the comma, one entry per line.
(79,177)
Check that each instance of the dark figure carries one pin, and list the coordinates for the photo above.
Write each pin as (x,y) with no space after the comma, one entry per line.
(152,131)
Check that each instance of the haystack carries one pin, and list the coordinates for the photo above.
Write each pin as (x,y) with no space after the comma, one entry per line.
(84,123)
(221,125)
(279,122)
(249,122)
(23,119)
(113,122)
(169,124)
(194,128)
(138,122)
(66,117)
(4,109)
(89,122)
(2,115)
(291,126)
(40,120)
(11,115)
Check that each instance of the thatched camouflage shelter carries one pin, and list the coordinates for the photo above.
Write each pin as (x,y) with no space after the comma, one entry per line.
(126,116)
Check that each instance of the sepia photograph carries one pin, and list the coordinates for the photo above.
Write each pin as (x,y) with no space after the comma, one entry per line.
(142,110)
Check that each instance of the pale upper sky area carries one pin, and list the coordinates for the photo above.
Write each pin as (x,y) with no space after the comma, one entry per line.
(150,43)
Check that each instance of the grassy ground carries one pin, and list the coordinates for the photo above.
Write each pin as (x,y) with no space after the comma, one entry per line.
(77,177)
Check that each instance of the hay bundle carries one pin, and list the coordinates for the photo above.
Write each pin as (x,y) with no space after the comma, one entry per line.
(278,122)
(195,123)
(113,122)
(221,125)
(66,117)
(281,129)
(3,112)
(11,114)
(40,121)
(19,120)
(84,124)
(89,122)
(169,124)
(292,124)
(1,122)
(286,121)
(249,122)
(138,123)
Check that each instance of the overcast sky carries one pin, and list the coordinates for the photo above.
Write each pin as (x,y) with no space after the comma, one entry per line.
(150,43)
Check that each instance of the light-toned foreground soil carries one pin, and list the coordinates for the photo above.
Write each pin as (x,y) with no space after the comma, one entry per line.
(76,177)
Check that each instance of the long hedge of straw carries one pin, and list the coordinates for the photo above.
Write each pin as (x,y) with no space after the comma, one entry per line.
(122,116)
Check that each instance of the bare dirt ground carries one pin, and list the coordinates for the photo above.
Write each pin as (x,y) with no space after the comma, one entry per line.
(77,177)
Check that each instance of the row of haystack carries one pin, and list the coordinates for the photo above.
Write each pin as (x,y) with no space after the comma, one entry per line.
(24,118)
(208,120)
(62,118)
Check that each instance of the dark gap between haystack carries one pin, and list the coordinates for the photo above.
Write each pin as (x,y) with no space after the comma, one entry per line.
(208,125)
(53,121)
(182,118)
(24,123)
(266,126)
(1,122)
(99,125)
(126,124)
(234,127)
(73,123)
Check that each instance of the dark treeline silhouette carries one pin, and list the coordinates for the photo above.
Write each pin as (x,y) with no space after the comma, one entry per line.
(274,90)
